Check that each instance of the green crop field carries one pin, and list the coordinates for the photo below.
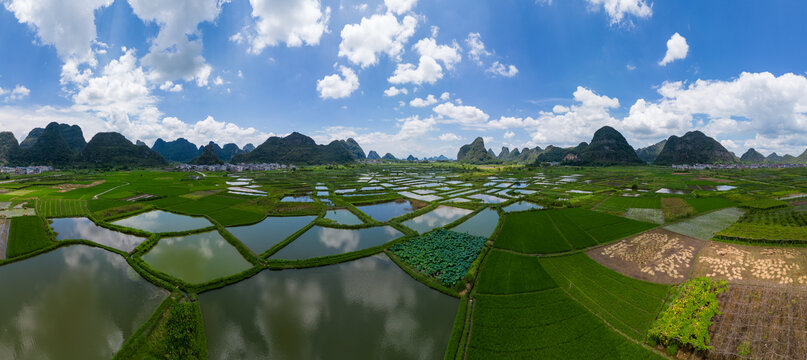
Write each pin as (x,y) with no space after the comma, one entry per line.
(553,231)
(61,208)
(627,304)
(508,273)
(26,234)
(710,203)
(621,204)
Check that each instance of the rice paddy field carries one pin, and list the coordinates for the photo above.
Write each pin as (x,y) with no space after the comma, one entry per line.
(423,260)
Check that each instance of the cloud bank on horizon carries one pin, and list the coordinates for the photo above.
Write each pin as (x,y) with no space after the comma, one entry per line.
(404,76)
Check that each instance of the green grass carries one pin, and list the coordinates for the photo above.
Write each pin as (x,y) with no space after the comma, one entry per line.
(560,230)
(627,304)
(544,325)
(710,203)
(61,208)
(507,273)
(621,204)
(27,234)
(174,331)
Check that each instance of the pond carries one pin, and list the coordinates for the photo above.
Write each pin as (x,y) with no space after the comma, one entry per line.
(324,241)
(672,191)
(196,258)
(521,206)
(162,221)
(488,199)
(297,199)
(272,230)
(442,215)
(481,224)
(343,216)
(419,197)
(75,302)
(385,211)
(364,309)
(724,187)
(83,228)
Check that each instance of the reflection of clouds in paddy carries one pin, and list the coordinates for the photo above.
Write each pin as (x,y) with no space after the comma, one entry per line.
(440,215)
(345,240)
(83,228)
(67,304)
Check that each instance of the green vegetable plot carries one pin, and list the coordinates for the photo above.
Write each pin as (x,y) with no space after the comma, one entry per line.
(686,321)
(442,254)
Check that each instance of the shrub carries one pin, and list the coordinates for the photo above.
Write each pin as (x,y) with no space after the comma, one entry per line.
(687,319)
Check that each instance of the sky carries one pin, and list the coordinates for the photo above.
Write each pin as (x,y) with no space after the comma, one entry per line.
(407,76)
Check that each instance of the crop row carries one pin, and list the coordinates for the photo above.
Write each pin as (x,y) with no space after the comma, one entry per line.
(544,325)
(627,304)
(508,273)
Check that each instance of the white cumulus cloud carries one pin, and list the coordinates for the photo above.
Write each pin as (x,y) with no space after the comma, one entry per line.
(449,137)
(336,87)
(618,10)
(419,102)
(500,69)
(293,22)
(393,91)
(476,48)
(428,69)
(400,6)
(362,43)
(677,48)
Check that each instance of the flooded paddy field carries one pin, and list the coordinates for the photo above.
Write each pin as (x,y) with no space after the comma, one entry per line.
(393,261)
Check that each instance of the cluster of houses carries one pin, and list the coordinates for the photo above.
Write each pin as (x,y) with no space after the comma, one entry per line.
(737,166)
(235,167)
(25,170)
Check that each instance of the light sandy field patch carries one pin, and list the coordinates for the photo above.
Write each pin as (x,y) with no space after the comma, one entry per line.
(705,226)
(196,195)
(647,215)
(68,187)
(4,226)
(10,213)
(657,255)
(760,322)
(753,264)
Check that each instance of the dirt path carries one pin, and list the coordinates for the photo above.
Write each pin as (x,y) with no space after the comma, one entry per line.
(119,186)
(5,224)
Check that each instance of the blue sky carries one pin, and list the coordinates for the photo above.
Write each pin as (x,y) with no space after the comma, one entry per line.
(409,76)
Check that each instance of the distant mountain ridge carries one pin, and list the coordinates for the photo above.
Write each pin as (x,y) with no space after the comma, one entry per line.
(475,153)
(208,156)
(111,149)
(650,153)
(296,148)
(693,148)
(180,150)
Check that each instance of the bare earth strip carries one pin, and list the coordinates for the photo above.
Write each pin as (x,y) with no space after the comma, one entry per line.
(657,255)
(4,226)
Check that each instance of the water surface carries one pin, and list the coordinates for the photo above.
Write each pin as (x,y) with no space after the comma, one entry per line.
(364,309)
(488,199)
(267,233)
(521,206)
(75,302)
(162,221)
(440,216)
(385,211)
(343,216)
(196,258)
(83,228)
(481,224)
(324,241)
